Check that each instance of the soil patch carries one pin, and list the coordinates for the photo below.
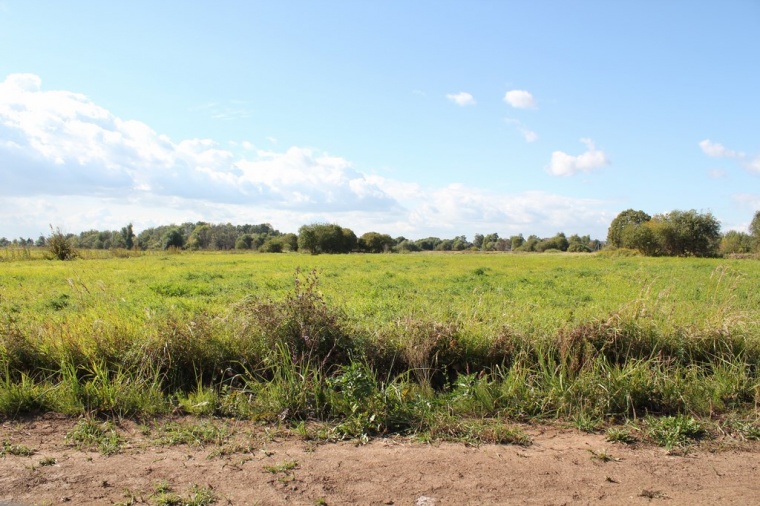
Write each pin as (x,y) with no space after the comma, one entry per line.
(251,464)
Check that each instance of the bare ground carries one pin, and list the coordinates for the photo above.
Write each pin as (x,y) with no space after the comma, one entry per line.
(265,466)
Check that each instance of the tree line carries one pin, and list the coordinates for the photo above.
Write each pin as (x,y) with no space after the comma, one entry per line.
(680,233)
(677,233)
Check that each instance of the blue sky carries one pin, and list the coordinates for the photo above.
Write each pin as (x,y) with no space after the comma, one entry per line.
(409,118)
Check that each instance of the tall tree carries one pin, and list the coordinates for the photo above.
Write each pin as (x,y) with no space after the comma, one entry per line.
(128,235)
(622,227)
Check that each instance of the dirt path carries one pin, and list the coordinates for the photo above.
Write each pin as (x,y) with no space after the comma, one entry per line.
(263,467)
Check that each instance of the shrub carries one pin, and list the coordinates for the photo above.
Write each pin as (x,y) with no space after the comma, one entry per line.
(302,324)
(60,246)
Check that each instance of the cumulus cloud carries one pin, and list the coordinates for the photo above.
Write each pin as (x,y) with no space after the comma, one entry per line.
(563,164)
(520,99)
(68,161)
(462,98)
(61,143)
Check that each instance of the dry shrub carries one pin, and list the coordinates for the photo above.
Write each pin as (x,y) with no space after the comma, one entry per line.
(302,324)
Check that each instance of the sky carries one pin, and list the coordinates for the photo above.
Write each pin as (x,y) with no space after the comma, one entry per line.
(411,118)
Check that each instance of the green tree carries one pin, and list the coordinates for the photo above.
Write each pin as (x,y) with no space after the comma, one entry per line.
(174,239)
(621,226)
(489,242)
(374,242)
(128,236)
(754,230)
(245,241)
(688,233)
(319,238)
(200,237)
(558,242)
(735,242)
(516,241)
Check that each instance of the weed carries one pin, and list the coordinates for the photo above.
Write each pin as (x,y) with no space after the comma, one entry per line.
(88,433)
(16,450)
(48,461)
(603,456)
(585,423)
(282,467)
(477,432)
(674,431)
(302,324)
(653,494)
(750,431)
(619,435)
(201,496)
(198,434)
(60,245)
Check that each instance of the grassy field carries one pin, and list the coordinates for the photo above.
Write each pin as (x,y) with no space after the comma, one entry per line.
(371,344)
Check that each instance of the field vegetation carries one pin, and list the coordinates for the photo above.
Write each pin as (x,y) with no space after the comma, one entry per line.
(449,346)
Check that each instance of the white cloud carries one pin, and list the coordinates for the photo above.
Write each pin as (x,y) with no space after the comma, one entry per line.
(717,150)
(716,173)
(520,99)
(563,164)
(462,98)
(528,134)
(753,164)
(66,161)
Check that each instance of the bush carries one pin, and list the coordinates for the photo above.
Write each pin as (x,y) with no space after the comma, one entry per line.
(60,246)
(302,324)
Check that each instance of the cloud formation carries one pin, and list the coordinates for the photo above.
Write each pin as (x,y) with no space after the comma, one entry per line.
(717,150)
(528,134)
(520,99)
(66,161)
(563,164)
(462,98)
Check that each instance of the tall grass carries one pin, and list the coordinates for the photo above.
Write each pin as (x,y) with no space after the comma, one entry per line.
(377,344)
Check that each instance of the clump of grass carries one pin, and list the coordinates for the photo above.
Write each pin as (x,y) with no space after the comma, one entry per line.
(48,461)
(164,495)
(620,435)
(603,456)
(674,431)
(303,324)
(195,434)
(89,433)
(476,432)
(16,450)
(282,467)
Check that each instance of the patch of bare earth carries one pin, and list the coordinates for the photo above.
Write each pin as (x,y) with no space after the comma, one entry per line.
(259,466)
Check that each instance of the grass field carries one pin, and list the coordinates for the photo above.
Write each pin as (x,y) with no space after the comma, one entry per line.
(371,344)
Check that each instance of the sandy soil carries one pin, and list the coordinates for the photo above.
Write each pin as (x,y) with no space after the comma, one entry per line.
(562,466)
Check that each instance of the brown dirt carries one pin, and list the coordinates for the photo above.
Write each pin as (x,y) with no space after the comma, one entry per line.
(560,467)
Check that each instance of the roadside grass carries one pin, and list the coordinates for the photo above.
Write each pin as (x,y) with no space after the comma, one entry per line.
(204,432)
(448,346)
(164,495)
(16,450)
(93,434)
(674,431)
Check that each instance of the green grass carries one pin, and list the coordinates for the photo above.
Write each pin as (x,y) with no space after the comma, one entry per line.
(377,344)
(89,434)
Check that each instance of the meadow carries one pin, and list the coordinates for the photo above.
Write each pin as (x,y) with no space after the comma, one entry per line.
(452,346)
